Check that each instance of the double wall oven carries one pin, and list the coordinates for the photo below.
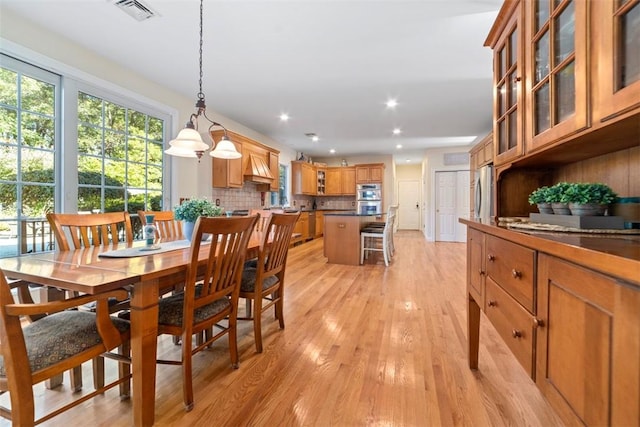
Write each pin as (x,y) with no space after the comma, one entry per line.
(369,199)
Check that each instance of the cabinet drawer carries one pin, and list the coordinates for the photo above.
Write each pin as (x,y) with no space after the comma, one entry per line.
(512,267)
(513,323)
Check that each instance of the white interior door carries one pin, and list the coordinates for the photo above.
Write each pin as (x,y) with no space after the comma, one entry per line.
(446,206)
(409,203)
(452,202)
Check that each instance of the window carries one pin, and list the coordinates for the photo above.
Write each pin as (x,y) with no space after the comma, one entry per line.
(119,157)
(280,198)
(112,144)
(29,129)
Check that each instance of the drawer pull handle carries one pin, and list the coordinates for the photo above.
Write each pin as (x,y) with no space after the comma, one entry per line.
(480,272)
(516,274)
(516,333)
(491,257)
(538,323)
(492,303)
(341,225)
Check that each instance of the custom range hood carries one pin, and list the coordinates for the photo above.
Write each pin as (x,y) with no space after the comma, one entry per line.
(257,170)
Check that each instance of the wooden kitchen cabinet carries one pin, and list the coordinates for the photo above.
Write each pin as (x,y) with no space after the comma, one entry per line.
(616,42)
(557,70)
(319,224)
(341,181)
(233,173)
(321,174)
(589,347)
(574,328)
(506,40)
(227,173)
(274,166)
(304,178)
(369,173)
(302,228)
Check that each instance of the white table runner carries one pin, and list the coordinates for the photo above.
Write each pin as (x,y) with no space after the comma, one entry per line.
(143,251)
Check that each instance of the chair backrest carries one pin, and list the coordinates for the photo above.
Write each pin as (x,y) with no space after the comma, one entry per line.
(276,238)
(75,231)
(264,215)
(167,227)
(229,239)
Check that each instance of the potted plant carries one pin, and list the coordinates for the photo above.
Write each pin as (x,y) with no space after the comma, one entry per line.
(539,197)
(558,199)
(589,198)
(190,210)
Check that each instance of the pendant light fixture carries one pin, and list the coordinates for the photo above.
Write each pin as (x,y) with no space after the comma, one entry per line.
(189,143)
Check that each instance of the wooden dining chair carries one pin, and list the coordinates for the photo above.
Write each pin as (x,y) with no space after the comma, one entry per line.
(76,231)
(263,218)
(167,227)
(61,339)
(265,281)
(210,294)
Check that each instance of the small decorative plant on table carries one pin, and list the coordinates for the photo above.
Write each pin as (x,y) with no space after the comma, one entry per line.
(589,198)
(190,210)
(539,197)
(557,196)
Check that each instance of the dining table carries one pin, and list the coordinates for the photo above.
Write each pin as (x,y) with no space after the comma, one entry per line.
(103,268)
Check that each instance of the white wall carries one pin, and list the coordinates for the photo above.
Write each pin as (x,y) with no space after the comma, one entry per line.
(433,161)
(29,42)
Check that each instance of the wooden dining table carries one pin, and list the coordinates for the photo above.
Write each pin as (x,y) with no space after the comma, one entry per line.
(84,270)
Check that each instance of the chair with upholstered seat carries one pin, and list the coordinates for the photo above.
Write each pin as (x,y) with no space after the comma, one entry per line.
(375,239)
(76,231)
(59,340)
(265,281)
(167,227)
(210,293)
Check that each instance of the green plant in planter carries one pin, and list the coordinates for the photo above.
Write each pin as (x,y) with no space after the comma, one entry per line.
(557,193)
(191,210)
(539,196)
(586,193)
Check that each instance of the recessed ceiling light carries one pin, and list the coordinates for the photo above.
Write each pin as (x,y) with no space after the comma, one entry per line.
(315,138)
(399,146)
(392,103)
(284,117)
(397,131)
(332,151)
(408,160)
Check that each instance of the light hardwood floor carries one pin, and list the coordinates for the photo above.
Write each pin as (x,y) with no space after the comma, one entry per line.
(364,345)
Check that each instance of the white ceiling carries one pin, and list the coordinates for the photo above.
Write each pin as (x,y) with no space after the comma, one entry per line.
(329,64)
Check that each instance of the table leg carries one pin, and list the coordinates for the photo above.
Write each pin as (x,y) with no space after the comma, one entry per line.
(144,333)
(473,331)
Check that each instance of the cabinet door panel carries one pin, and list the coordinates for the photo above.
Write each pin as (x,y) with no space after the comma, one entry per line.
(575,345)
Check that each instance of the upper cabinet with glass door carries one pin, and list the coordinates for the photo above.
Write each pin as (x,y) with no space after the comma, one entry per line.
(557,70)
(617,46)
(505,40)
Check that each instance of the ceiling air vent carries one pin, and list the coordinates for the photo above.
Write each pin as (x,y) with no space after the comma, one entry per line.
(136,9)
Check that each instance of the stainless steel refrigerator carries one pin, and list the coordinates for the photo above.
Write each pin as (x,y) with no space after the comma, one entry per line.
(483,197)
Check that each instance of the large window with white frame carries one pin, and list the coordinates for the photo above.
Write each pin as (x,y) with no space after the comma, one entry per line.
(113,153)
(29,135)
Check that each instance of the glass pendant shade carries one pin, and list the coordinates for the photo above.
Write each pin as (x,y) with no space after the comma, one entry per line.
(225,150)
(180,152)
(189,139)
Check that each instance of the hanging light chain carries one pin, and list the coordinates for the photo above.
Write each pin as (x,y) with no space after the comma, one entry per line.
(200,94)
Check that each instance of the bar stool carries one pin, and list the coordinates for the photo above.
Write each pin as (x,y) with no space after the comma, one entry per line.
(376,239)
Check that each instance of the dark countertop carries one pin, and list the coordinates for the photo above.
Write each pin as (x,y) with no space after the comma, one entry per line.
(615,254)
(351,213)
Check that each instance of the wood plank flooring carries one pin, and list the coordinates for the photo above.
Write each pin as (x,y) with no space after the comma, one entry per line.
(363,345)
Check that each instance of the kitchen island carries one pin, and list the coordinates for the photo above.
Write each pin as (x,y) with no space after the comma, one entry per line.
(342,236)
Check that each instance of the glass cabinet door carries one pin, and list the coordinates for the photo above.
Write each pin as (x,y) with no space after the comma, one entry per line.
(557,105)
(508,89)
(618,44)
